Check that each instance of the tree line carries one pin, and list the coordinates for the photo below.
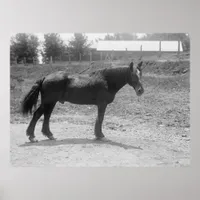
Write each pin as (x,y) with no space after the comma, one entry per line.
(25,47)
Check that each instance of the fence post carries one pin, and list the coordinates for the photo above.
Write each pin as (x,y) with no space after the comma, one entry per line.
(106,57)
(126,54)
(178,49)
(159,49)
(51,60)
(16,61)
(79,57)
(112,58)
(140,50)
(24,61)
(90,56)
(69,59)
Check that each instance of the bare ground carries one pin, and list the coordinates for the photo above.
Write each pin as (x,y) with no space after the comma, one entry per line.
(151,131)
(135,145)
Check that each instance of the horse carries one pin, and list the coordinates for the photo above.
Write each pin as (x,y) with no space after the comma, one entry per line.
(94,88)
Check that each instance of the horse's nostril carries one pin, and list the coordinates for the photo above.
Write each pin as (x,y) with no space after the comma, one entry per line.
(140,91)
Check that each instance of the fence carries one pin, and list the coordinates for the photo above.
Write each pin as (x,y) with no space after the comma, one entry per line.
(25,61)
(111,56)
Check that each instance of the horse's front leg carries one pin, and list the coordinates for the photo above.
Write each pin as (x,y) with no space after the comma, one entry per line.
(99,120)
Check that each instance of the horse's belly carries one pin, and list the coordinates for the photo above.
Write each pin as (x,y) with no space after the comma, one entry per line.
(81,96)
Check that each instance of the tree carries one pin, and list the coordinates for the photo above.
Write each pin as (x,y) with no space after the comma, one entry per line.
(33,44)
(78,45)
(117,36)
(126,36)
(186,43)
(13,52)
(24,46)
(109,37)
(53,46)
(121,36)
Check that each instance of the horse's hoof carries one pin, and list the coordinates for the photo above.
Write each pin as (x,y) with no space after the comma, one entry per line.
(33,140)
(52,138)
(102,139)
(98,138)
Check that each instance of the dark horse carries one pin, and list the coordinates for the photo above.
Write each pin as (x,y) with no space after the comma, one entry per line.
(96,88)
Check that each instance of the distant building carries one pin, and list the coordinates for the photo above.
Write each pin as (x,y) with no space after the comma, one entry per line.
(118,49)
(165,46)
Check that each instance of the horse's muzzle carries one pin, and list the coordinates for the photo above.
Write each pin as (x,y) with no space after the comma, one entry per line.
(139,91)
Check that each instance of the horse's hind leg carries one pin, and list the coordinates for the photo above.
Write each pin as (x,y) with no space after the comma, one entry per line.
(98,125)
(48,108)
(30,130)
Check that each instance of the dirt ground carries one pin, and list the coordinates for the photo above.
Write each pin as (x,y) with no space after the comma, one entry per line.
(153,130)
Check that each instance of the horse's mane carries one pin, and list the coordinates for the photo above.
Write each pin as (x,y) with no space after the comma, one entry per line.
(107,71)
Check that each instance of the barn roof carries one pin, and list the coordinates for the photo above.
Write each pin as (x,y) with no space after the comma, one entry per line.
(110,45)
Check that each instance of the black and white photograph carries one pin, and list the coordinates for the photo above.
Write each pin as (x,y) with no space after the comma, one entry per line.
(100,99)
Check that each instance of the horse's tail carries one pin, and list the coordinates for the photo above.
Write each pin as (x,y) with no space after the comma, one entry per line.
(31,98)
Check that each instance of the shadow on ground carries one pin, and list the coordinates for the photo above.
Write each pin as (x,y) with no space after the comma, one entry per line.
(68,141)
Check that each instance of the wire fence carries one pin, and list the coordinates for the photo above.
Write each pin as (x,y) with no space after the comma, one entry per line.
(110,57)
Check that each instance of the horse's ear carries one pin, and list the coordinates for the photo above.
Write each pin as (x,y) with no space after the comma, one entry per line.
(131,66)
(140,65)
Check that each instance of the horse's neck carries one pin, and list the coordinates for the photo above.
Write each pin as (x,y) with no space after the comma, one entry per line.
(117,78)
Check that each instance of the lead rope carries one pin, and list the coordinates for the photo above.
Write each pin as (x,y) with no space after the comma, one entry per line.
(91,64)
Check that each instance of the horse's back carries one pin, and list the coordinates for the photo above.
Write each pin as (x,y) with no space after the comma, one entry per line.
(84,89)
(86,81)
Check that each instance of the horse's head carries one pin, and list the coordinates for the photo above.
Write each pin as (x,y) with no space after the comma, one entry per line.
(134,77)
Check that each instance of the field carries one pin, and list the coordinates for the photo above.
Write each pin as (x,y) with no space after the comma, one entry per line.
(153,130)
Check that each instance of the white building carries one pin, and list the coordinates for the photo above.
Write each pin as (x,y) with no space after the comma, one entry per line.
(132,46)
